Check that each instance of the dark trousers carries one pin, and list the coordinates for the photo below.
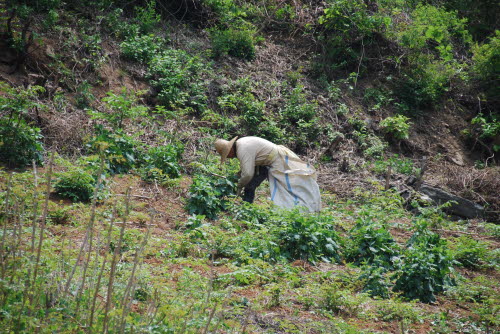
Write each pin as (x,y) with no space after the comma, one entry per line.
(261,173)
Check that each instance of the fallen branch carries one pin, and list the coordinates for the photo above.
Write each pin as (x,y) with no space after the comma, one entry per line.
(138,196)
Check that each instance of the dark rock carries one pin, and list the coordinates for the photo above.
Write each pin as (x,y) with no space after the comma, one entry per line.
(461,207)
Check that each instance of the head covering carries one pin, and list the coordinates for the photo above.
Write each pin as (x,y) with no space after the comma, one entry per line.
(223,147)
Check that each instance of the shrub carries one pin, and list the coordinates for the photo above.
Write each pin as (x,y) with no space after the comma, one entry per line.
(345,23)
(121,107)
(207,195)
(371,242)
(141,48)
(396,126)
(426,267)
(488,127)
(435,27)
(147,18)
(300,118)
(233,42)
(177,78)
(253,114)
(20,143)
(376,280)
(118,148)
(164,159)
(75,184)
(307,237)
(486,66)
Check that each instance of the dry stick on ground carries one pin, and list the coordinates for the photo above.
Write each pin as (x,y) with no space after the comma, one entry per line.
(90,231)
(129,290)
(113,266)
(42,227)
(99,278)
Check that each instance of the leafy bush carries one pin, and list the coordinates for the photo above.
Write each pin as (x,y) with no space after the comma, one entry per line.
(121,107)
(489,127)
(345,23)
(376,280)
(371,242)
(436,27)
(177,77)
(75,184)
(20,143)
(396,126)
(300,117)
(118,148)
(486,66)
(432,39)
(147,18)
(164,159)
(338,300)
(307,237)
(207,195)
(141,48)
(239,98)
(234,42)
(426,267)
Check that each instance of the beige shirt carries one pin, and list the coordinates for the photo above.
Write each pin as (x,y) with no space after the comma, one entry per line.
(251,152)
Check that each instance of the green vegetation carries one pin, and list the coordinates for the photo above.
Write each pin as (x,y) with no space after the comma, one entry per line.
(76,185)
(135,93)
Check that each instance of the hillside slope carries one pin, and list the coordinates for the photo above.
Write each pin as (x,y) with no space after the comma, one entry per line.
(116,216)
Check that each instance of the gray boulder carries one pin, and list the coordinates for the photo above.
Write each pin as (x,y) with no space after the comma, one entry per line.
(462,207)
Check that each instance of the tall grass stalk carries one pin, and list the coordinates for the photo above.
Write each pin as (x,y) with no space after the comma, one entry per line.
(103,266)
(105,324)
(4,227)
(129,291)
(90,232)
(43,220)
(35,207)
